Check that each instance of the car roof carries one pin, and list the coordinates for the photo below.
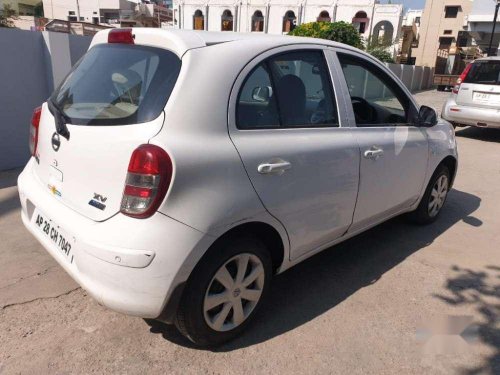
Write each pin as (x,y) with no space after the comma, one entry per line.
(180,41)
(495,58)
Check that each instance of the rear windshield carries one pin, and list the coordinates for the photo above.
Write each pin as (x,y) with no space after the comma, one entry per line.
(117,84)
(484,72)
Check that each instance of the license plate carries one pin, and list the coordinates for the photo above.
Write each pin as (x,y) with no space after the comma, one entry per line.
(55,233)
(484,98)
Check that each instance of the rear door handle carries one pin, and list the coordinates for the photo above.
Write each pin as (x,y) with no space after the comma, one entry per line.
(278,167)
(374,153)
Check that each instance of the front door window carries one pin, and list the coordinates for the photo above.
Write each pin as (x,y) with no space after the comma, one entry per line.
(375,97)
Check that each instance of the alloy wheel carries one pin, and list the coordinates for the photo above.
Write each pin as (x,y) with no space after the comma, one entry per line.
(234,292)
(438,195)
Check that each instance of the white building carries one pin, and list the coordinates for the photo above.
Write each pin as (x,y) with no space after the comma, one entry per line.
(409,36)
(413,16)
(117,13)
(480,25)
(280,16)
(92,11)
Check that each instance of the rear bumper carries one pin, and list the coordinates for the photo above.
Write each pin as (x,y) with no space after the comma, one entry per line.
(471,116)
(128,265)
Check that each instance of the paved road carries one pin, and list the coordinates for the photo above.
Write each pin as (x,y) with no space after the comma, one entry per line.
(360,307)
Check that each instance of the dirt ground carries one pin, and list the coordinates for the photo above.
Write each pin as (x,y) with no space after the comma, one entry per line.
(370,305)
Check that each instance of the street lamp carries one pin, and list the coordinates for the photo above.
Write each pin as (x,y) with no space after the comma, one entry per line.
(494,25)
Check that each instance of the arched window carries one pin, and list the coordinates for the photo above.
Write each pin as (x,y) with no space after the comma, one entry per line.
(383,33)
(360,21)
(289,21)
(324,16)
(198,20)
(227,21)
(257,21)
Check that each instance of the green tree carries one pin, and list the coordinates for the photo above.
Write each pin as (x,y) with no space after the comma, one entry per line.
(7,15)
(379,48)
(381,54)
(341,31)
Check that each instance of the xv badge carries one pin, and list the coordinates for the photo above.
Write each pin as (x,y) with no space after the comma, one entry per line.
(99,197)
(98,201)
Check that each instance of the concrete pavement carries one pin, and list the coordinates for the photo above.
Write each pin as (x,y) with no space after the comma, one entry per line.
(361,307)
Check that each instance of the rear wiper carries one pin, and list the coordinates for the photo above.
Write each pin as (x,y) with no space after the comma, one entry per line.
(60,119)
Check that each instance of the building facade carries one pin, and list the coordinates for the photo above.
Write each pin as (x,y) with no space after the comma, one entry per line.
(281,16)
(441,22)
(91,11)
(116,13)
(409,38)
(413,17)
(480,26)
(22,7)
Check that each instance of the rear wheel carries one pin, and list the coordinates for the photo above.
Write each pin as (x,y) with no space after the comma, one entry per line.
(434,197)
(224,292)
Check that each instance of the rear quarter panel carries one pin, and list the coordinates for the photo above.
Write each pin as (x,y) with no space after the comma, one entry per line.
(210,189)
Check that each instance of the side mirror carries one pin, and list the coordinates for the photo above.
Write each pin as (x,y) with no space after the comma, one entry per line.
(261,94)
(427,116)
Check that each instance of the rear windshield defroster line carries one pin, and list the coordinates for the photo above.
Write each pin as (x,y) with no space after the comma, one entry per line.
(116,84)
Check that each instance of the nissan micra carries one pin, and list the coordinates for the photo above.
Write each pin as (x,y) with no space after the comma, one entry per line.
(174,173)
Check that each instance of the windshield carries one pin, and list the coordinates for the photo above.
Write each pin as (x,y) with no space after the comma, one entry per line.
(484,72)
(116,84)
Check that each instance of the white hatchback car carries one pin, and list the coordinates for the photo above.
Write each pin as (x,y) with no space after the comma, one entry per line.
(175,172)
(475,99)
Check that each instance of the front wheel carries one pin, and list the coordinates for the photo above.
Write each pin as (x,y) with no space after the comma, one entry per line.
(225,291)
(434,197)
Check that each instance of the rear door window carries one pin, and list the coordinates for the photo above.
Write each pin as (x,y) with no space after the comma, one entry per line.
(303,88)
(289,90)
(484,72)
(257,107)
(116,84)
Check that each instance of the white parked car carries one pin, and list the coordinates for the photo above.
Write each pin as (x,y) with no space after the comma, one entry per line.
(175,172)
(475,99)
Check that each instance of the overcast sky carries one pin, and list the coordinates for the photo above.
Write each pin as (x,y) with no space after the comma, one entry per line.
(409,4)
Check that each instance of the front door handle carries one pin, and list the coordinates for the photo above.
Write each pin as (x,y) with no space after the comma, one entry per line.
(373,153)
(274,167)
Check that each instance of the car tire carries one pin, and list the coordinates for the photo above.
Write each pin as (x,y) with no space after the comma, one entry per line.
(434,197)
(216,291)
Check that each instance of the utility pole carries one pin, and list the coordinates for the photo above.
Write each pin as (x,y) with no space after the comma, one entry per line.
(78,11)
(493,29)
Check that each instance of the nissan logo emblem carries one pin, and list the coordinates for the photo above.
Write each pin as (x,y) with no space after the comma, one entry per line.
(56,141)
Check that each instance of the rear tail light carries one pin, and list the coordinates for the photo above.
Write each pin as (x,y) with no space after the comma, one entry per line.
(148,178)
(460,79)
(35,124)
(122,36)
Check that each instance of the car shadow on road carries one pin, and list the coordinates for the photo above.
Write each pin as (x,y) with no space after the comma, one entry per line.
(481,134)
(9,199)
(9,178)
(325,280)
(479,289)
(9,202)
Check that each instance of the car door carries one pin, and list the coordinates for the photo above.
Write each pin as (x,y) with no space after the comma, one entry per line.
(290,131)
(394,150)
